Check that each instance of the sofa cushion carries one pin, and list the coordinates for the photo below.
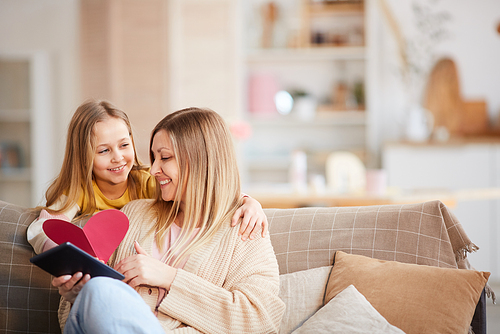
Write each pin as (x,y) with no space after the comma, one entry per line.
(348,312)
(303,293)
(28,302)
(414,298)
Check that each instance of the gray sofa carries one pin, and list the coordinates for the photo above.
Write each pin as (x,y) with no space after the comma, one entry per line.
(303,239)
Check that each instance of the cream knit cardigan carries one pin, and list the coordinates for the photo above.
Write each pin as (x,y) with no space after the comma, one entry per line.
(227,286)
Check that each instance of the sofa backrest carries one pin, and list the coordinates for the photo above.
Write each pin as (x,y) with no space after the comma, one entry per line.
(423,233)
(28,302)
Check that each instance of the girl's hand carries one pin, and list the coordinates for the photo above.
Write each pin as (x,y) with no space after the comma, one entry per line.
(253,218)
(69,286)
(142,269)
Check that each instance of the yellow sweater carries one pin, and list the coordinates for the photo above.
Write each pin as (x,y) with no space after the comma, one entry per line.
(227,286)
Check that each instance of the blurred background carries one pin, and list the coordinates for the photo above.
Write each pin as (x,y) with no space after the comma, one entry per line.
(330,102)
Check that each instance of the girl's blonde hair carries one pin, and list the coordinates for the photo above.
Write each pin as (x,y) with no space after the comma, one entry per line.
(76,174)
(208,173)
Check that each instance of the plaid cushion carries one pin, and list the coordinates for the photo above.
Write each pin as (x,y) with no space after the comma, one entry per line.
(28,302)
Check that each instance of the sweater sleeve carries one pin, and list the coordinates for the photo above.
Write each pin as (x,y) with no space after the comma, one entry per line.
(246,301)
(35,234)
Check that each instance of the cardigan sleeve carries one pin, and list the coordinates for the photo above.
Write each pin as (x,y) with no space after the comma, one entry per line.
(246,301)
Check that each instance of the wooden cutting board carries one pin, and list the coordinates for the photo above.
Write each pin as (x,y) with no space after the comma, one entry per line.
(442,96)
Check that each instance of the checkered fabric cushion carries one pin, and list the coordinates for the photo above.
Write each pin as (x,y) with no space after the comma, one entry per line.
(28,302)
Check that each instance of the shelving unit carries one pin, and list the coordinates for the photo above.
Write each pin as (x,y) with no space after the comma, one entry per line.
(319,30)
(316,66)
(15,126)
(25,130)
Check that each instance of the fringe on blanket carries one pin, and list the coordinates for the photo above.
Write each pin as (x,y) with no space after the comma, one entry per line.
(490,293)
(461,254)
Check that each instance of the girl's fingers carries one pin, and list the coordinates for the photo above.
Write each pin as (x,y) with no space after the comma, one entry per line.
(244,225)
(248,229)
(236,217)
(265,227)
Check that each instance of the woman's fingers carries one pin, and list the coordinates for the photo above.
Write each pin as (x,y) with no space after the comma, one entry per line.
(139,249)
(70,285)
(145,270)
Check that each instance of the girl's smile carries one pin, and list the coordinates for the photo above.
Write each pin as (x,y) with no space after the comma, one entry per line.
(118,169)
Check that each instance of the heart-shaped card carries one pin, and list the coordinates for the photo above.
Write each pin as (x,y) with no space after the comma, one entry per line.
(99,237)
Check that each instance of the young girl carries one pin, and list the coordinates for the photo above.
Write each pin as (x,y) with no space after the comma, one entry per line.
(101,170)
(186,270)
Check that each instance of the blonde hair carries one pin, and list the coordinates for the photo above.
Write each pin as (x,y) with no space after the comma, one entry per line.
(208,173)
(76,171)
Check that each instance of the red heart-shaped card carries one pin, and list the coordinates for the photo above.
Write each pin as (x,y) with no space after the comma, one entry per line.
(99,237)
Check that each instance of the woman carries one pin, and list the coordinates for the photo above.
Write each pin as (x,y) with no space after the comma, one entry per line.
(199,276)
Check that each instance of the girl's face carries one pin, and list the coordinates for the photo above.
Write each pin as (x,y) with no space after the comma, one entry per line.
(164,167)
(114,156)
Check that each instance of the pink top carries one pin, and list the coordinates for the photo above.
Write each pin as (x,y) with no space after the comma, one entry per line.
(172,236)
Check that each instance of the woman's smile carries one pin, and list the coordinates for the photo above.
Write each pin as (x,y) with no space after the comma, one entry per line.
(164,182)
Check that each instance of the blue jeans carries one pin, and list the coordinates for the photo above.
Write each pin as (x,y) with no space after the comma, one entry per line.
(107,305)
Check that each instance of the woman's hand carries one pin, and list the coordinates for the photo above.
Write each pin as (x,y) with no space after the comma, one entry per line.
(253,218)
(142,269)
(69,286)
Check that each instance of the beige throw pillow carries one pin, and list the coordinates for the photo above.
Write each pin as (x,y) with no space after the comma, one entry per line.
(303,293)
(349,312)
(415,298)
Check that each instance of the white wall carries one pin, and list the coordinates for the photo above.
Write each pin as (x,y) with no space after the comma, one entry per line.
(473,44)
(49,27)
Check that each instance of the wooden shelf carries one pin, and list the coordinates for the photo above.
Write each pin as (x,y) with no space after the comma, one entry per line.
(314,12)
(315,53)
(323,118)
(332,8)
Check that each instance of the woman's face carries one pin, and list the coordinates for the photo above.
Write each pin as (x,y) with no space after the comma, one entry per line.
(164,167)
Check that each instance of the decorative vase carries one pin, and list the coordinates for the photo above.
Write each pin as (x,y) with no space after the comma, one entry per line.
(305,108)
(419,124)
